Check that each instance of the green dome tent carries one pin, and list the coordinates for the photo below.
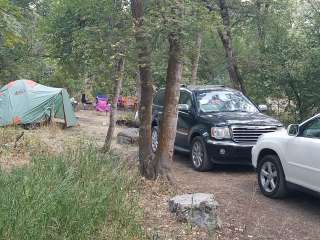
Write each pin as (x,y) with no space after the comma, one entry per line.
(26,102)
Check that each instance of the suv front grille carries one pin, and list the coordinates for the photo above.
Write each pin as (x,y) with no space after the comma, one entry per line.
(250,134)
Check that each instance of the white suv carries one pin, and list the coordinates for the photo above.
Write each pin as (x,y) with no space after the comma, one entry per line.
(291,156)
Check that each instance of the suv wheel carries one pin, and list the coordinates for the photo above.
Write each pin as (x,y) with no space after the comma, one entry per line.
(154,139)
(271,178)
(199,155)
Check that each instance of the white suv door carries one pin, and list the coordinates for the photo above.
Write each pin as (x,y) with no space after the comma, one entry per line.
(303,154)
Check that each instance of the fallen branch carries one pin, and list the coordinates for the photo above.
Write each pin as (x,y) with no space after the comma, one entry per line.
(17,139)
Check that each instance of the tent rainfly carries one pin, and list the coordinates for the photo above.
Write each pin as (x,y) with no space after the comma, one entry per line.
(27,102)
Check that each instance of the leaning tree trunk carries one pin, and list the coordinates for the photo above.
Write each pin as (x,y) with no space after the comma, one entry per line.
(114,105)
(138,88)
(260,23)
(225,35)
(196,58)
(147,164)
(168,126)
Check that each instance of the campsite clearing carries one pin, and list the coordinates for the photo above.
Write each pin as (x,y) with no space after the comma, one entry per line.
(245,213)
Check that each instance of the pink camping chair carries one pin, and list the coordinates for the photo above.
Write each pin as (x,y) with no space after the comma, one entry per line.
(102,105)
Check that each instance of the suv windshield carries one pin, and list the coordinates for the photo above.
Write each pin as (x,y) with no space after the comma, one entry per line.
(224,101)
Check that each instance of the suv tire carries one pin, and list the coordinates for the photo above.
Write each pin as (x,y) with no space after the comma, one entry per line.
(271,178)
(199,155)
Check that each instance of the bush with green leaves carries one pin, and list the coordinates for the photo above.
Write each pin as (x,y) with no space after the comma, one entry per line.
(81,194)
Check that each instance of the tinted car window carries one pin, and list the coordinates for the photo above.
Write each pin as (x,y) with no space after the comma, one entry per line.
(159,98)
(224,101)
(185,98)
(312,129)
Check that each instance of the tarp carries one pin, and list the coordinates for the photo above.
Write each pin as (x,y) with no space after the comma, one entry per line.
(26,102)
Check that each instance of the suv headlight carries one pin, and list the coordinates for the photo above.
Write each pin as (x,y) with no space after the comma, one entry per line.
(220,133)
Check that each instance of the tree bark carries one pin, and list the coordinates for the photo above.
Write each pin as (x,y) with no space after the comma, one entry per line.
(225,36)
(196,58)
(262,10)
(168,126)
(138,88)
(146,160)
(113,114)
(259,21)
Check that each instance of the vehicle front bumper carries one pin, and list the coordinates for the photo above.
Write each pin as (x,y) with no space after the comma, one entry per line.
(229,152)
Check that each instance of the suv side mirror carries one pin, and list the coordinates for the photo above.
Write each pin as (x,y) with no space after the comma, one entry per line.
(184,107)
(263,108)
(293,130)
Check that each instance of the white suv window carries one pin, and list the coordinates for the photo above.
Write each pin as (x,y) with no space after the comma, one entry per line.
(312,129)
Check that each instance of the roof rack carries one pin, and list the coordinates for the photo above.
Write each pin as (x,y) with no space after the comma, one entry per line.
(204,87)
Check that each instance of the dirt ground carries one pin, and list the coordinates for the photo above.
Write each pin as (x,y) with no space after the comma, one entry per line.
(244,212)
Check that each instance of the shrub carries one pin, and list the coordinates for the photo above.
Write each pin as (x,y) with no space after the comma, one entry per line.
(81,194)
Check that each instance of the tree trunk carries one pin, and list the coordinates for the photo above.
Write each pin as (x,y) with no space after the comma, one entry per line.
(225,36)
(138,88)
(113,114)
(168,126)
(195,59)
(262,10)
(297,98)
(259,21)
(147,164)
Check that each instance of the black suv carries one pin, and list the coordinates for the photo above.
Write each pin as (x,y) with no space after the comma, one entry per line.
(216,124)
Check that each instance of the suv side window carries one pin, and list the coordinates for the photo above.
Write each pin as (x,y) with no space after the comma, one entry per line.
(312,129)
(159,98)
(185,98)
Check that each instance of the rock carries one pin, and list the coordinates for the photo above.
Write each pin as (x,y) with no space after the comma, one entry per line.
(196,208)
(128,123)
(128,136)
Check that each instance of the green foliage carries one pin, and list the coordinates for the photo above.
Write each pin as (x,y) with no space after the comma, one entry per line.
(277,57)
(11,28)
(81,194)
(82,37)
(20,48)
(71,44)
